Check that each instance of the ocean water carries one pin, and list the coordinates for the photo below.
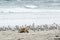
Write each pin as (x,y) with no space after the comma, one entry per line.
(37,3)
(21,12)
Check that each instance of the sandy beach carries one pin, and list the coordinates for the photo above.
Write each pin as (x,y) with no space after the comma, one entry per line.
(38,35)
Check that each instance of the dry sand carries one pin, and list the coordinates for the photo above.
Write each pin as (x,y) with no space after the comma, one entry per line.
(38,35)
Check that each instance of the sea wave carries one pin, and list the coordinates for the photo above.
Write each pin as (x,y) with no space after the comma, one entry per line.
(38,3)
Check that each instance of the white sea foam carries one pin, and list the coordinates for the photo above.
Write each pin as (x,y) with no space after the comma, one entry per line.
(16,16)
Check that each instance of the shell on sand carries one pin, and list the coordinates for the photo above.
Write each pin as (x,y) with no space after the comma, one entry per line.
(24,30)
